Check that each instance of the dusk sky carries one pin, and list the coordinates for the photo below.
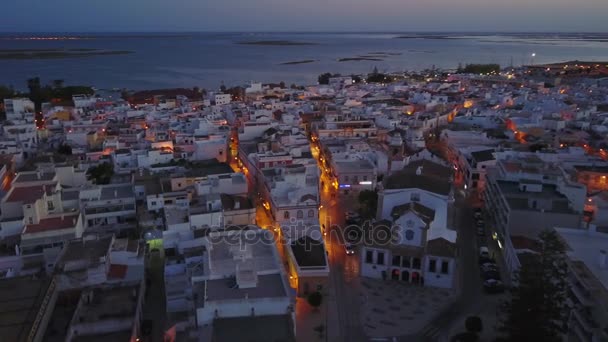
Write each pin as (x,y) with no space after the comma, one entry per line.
(304,15)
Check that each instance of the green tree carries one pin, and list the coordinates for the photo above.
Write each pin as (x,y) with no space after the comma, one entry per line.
(368,201)
(315,299)
(101,174)
(537,311)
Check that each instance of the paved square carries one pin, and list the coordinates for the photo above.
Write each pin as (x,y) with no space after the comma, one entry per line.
(393,308)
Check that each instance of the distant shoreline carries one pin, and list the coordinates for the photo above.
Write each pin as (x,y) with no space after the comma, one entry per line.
(274,43)
(25,54)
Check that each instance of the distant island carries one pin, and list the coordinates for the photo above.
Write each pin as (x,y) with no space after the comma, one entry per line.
(299,62)
(355,59)
(22,54)
(275,43)
(425,37)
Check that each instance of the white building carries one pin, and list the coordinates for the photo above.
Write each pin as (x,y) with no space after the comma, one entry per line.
(18,109)
(241,279)
(413,211)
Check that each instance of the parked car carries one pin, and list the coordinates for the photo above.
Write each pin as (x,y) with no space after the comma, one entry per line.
(351,215)
(477,215)
(493,286)
(488,266)
(484,252)
(350,249)
(481,231)
(480,223)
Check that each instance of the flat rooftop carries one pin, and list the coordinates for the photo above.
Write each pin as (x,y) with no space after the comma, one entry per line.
(117,191)
(52,223)
(353,165)
(29,194)
(519,200)
(109,303)
(24,177)
(20,300)
(585,246)
(87,251)
(309,252)
(254,329)
(260,246)
(268,286)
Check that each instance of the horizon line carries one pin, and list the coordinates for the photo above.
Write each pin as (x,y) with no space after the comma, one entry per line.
(316,31)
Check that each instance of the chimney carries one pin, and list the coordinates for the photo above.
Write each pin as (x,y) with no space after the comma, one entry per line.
(603,259)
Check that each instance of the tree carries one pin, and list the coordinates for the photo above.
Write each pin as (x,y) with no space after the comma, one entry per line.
(33,84)
(324,78)
(101,174)
(368,201)
(65,149)
(282,85)
(474,326)
(377,78)
(315,299)
(537,311)
(356,78)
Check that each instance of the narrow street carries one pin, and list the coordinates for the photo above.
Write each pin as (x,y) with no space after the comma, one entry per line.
(155,302)
(469,282)
(344,270)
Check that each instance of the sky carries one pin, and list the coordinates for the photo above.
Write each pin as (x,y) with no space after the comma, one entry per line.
(304,15)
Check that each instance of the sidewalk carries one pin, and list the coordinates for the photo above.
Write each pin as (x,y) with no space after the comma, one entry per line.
(309,320)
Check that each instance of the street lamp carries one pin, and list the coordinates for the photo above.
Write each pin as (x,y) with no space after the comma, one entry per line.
(533,55)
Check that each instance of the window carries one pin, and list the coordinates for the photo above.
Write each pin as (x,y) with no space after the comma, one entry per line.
(286,215)
(409,235)
(445,267)
(346,178)
(30,220)
(153,203)
(475,176)
(356,179)
(415,197)
(416,263)
(311,213)
(300,214)
(380,258)
(405,262)
(432,265)
(483,166)
(364,178)
(50,205)
(396,260)
(369,257)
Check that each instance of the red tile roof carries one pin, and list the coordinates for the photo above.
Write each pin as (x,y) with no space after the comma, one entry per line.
(117,271)
(29,194)
(53,223)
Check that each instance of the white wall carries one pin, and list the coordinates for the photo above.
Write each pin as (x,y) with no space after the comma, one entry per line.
(242,308)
